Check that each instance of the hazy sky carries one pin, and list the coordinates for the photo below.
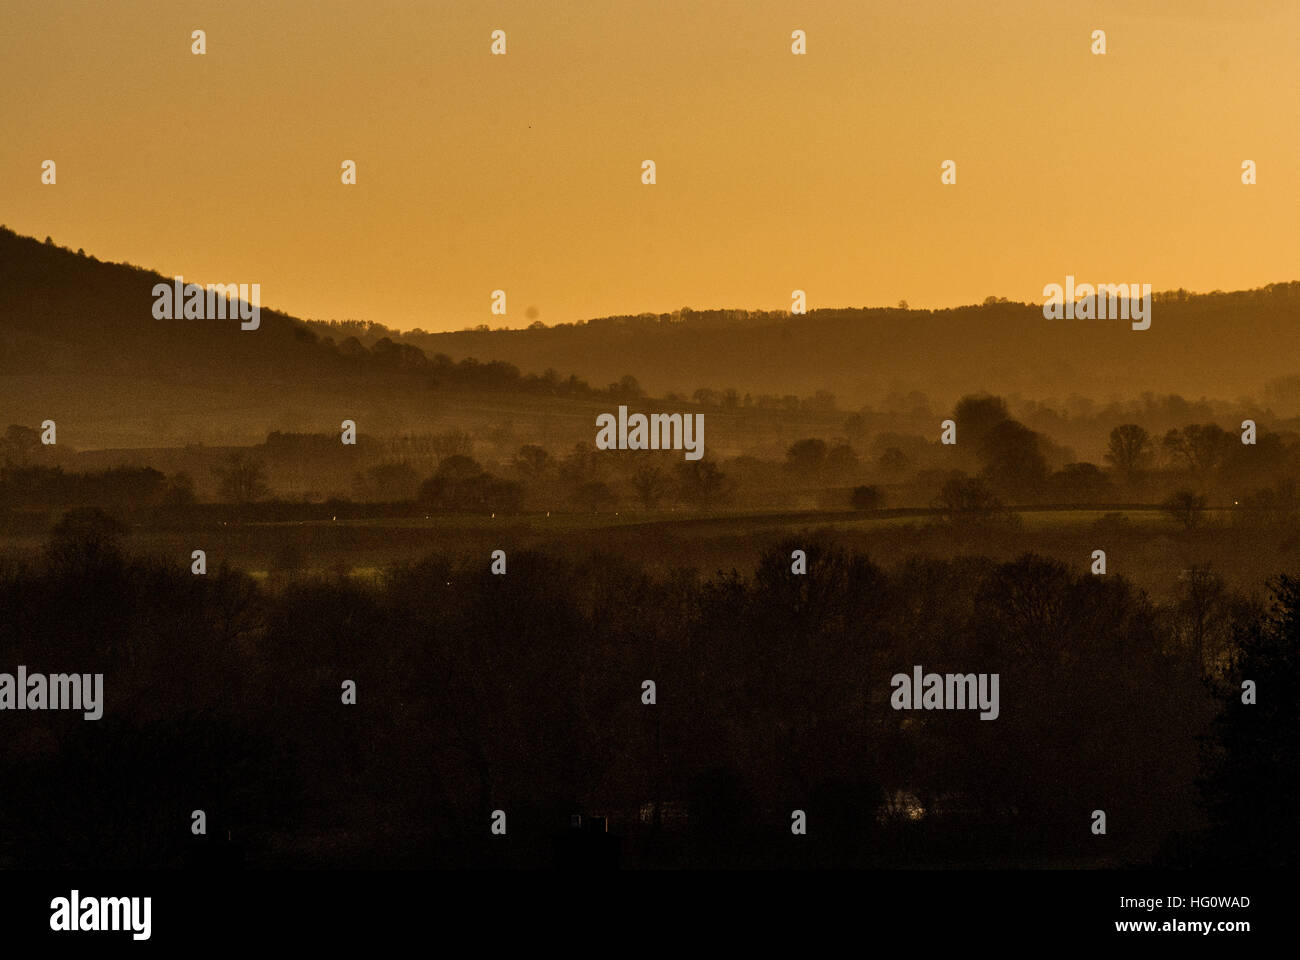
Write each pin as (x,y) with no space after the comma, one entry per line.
(775,171)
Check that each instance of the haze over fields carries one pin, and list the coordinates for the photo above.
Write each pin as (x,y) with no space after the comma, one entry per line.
(79,335)
(368,572)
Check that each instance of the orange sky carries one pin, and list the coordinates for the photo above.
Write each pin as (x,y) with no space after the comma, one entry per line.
(775,172)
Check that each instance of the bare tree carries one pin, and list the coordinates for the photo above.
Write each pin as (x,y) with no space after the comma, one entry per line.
(1186,508)
(242,479)
(1199,447)
(1200,605)
(1130,450)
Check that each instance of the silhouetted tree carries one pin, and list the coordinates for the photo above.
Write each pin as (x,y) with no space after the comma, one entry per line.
(1012,457)
(531,460)
(966,500)
(1198,448)
(1130,450)
(1185,507)
(1202,596)
(242,479)
(701,482)
(86,538)
(459,483)
(976,415)
(1252,771)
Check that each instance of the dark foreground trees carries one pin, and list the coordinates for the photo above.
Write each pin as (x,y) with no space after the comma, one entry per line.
(1253,760)
(526,693)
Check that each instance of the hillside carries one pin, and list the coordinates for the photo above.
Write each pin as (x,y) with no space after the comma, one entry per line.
(1197,345)
(79,344)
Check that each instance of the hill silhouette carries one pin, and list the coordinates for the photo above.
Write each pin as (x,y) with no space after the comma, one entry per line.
(79,343)
(1217,344)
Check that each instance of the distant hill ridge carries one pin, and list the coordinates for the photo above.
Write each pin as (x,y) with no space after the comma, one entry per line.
(65,314)
(1222,344)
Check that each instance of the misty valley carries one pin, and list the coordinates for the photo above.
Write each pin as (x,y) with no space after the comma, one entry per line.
(359,604)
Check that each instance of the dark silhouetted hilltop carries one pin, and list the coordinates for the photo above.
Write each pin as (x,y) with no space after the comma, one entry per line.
(1215,344)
